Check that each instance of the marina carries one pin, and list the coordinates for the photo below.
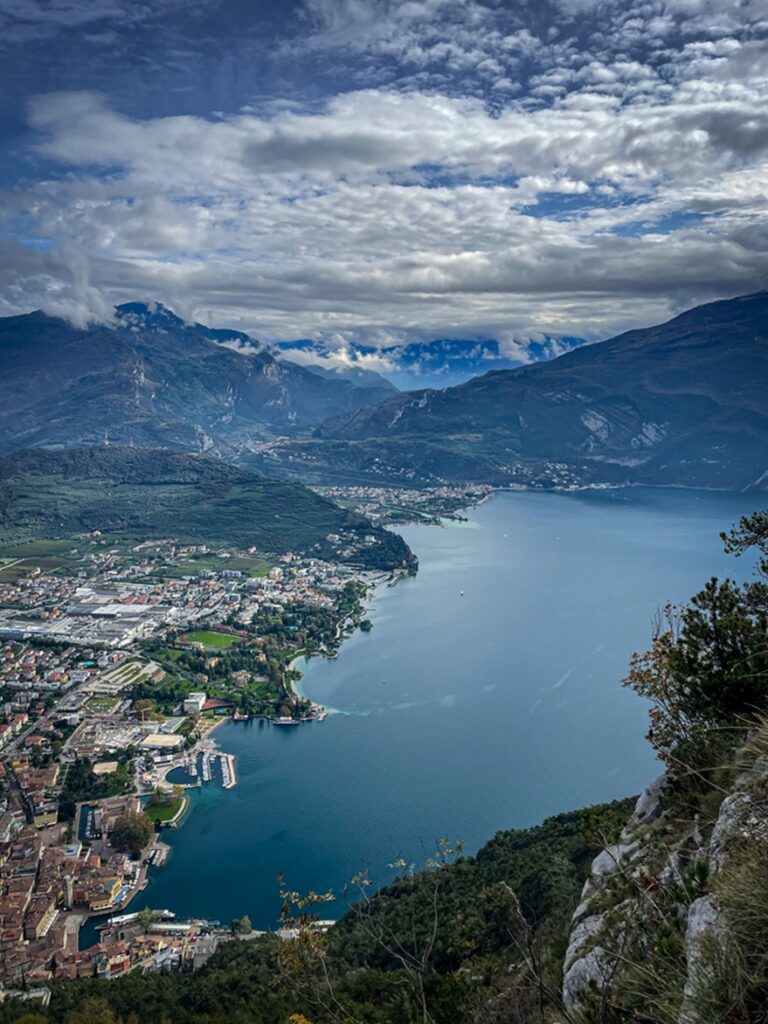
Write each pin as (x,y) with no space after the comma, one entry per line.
(203,766)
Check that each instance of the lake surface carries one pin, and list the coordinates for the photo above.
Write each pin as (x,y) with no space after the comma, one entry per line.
(458,715)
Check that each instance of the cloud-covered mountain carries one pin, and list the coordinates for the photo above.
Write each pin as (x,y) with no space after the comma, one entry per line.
(439,363)
(358,378)
(682,403)
(151,378)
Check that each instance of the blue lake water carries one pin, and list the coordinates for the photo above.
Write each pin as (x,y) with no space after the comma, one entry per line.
(458,715)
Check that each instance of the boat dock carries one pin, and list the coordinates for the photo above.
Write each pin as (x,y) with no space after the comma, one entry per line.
(206,764)
(228,775)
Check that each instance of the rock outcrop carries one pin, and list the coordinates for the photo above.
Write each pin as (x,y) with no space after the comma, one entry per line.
(663,879)
(596,933)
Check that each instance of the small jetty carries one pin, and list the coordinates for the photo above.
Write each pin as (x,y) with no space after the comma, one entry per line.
(228,776)
(159,855)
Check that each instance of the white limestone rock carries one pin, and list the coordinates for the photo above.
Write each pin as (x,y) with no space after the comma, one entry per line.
(648,808)
(742,817)
(594,968)
(580,936)
(672,872)
(612,858)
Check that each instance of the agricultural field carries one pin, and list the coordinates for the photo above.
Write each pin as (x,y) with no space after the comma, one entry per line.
(40,548)
(13,569)
(47,555)
(219,641)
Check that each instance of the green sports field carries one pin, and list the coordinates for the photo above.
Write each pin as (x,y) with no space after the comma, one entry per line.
(207,638)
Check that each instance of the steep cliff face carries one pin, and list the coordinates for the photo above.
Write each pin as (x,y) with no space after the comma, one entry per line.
(673,919)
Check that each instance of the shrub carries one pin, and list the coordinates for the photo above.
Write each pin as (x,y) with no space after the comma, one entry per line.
(708,662)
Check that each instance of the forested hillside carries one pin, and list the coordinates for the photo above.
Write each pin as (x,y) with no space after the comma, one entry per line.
(148,493)
(680,403)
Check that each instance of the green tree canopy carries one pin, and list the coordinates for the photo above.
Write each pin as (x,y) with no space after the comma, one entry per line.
(708,664)
(132,831)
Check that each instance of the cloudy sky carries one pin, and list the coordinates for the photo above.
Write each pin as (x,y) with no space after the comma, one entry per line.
(380,170)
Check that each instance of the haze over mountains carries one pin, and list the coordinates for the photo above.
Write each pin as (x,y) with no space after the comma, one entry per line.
(684,403)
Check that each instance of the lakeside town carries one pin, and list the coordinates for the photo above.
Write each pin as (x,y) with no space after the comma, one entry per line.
(117,663)
(390,505)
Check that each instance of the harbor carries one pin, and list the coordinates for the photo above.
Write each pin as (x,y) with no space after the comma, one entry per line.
(202,766)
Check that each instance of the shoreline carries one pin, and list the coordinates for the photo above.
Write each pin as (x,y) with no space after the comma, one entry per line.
(295,659)
(295,688)
(295,685)
(576,488)
(457,518)
(163,850)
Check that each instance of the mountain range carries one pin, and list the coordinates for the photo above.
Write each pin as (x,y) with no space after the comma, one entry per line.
(682,403)
(150,378)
